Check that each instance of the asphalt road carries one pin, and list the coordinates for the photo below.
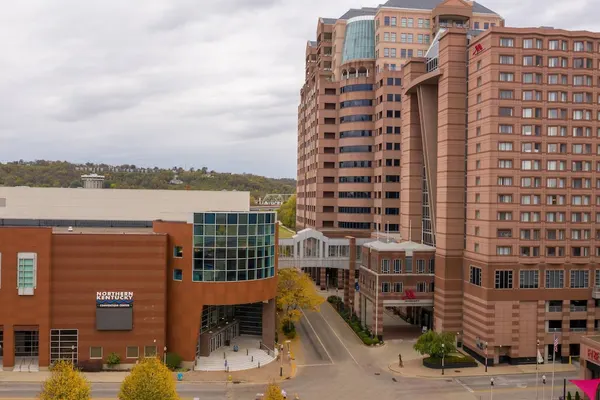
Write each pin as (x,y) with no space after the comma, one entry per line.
(336,366)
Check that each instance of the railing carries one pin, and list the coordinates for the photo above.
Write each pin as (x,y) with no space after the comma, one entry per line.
(578,329)
(266,348)
(550,330)
(432,64)
(578,308)
(554,308)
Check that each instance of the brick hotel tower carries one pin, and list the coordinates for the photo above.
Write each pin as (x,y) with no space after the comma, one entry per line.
(437,122)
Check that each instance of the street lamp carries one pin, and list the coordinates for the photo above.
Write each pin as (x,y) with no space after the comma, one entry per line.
(537,372)
(165,355)
(73,355)
(486,355)
(443,354)
(543,387)
(491,388)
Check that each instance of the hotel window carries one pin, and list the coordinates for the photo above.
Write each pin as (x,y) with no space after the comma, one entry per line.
(507,42)
(420,266)
(505,111)
(26,273)
(410,22)
(505,198)
(507,77)
(386,36)
(555,279)
(579,279)
(475,275)
(508,60)
(403,38)
(420,23)
(385,266)
(385,287)
(529,279)
(597,282)
(579,46)
(132,352)
(528,43)
(420,38)
(506,94)
(504,163)
(393,37)
(393,21)
(398,287)
(505,128)
(503,250)
(386,21)
(528,61)
(505,146)
(422,287)
(397,266)
(386,52)
(403,22)
(554,45)
(393,53)
(96,353)
(504,181)
(409,38)
(504,280)
(150,351)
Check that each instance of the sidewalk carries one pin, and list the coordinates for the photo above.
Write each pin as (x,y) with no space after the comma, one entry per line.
(415,369)
(266,374)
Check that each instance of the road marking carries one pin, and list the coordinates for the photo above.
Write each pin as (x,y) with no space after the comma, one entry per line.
(461,383)
(336,335)
(528,388)
(318,338)
(315,365)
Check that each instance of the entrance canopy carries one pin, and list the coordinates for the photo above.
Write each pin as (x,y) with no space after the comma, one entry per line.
(589,386)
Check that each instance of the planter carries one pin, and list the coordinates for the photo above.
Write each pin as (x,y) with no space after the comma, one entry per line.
(436,363)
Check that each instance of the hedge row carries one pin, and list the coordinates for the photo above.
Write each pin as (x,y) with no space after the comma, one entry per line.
(450,362)
(354,323)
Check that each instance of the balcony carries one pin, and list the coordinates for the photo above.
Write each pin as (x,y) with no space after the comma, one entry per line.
(578,329)
(596,293)
(578,308)
(554,308)
(551,330)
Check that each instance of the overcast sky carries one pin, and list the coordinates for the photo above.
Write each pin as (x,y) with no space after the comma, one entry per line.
(188,83)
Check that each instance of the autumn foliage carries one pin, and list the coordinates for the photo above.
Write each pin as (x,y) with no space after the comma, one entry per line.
(65,383)
(149,380)
(273,392)
(295,291)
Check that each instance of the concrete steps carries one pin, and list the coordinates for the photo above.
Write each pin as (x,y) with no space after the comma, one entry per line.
(236,362)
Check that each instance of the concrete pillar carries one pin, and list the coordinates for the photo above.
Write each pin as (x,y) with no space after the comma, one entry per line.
(378,316)
(340,278)
(360,306)
(8,359)
(323,278)
(351,273)
(268,324)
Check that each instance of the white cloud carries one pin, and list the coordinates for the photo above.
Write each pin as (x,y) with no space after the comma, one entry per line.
(176,82)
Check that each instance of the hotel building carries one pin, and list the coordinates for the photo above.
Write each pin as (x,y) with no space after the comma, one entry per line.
(483,146)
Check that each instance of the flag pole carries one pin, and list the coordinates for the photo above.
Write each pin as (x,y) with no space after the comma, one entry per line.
(537,372)
(553,365)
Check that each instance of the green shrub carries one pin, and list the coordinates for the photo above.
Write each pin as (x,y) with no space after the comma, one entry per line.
(173,361)
(289,329)
(113,359)
(449,360)
(334,300)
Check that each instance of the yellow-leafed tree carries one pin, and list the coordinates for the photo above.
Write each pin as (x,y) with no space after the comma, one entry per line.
(149,380)
(273,392)
(65,383)
(295,291)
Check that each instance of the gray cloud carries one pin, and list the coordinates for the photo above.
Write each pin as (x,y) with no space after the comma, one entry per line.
(176,82)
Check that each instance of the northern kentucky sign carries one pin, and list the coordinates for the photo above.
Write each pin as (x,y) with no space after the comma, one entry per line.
(114,299)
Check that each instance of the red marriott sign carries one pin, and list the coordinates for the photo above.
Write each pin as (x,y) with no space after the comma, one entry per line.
(409,295)
(478,49)
(593,355)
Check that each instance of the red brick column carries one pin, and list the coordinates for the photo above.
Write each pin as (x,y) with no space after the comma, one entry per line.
(340,279)
(323,278)
(9,346)
(378,316)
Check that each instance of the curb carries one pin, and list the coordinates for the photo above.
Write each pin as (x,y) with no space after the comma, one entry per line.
(352,330)
(467,375)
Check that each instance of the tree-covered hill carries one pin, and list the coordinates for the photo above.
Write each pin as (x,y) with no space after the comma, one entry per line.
(43,173)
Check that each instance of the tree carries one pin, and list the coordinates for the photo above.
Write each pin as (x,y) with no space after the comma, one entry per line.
(430,343)
(295,291)
(273,392)
(287,213)
(149,380)
(65,383)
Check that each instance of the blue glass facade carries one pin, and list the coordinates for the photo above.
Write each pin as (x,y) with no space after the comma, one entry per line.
(359,42)
(231,247)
